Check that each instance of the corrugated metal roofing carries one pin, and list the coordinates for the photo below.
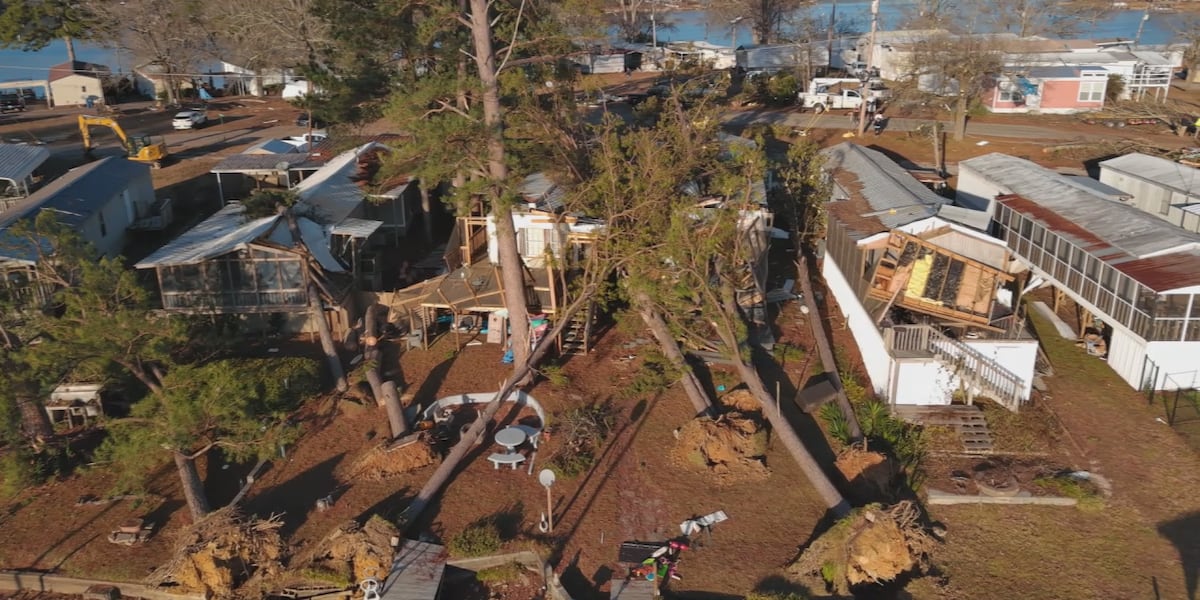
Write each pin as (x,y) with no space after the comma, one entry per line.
(1060,72)
(895,197)
(80,192)
(539,190)
(976,219)
(1158,171)
(1098,188)
(1166,272)
(1160,273)
(356,228)
(416,573)
(1124,227)
(272,146)
(330,192)
(227,230)
(18,161)
(243,163)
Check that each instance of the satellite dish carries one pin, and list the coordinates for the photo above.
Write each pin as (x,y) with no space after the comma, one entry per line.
(546,478)
(282,165)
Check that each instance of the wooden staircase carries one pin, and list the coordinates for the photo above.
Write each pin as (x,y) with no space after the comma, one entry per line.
(576,337)
(967,421)
(973,368)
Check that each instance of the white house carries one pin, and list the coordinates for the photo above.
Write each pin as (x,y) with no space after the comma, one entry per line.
(100,200)
(1157,186)
(74,83)
(889,247)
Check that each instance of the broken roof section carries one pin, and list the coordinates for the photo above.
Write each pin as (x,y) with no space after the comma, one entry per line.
(229,230)
(332,193)
(873,193)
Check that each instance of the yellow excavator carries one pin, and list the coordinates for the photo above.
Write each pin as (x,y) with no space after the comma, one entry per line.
(139,148)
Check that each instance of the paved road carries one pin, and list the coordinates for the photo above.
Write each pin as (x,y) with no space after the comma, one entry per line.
(840,121)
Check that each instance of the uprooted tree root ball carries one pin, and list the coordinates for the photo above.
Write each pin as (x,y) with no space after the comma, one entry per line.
(871,546)
(222,553)
(731,447)
(380,462)
(352,552)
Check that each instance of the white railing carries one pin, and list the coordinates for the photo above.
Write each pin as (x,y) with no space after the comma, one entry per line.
(972,366)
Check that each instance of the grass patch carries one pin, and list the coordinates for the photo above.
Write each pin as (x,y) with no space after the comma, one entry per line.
(500,573)
(1083,491)
(1032,430)
(323,575)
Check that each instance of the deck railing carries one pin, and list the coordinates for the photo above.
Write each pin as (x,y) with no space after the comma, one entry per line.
(972,366)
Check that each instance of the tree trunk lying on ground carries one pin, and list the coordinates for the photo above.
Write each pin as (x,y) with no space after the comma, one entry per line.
(521,371)
(670,349)
(193,486)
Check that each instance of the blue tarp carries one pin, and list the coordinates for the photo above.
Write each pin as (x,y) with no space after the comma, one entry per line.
(1028,88)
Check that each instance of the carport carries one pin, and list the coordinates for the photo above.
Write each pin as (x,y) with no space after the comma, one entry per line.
(282,170)
(28,84)
(17,164)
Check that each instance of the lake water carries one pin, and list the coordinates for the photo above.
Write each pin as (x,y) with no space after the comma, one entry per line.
(685,26)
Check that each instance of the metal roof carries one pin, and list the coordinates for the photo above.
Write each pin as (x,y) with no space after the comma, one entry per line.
(539,190)
(356,228)
(227,230)
(1093,217)
(1160,272)
(1098,188)
(330,192)
(894,196)
(416,573)
(1059,72)
(18,161)
(1157,171)
(79,192)
(273,146)
(247,163)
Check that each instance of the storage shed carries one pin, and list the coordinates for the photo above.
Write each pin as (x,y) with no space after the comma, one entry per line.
(74,83)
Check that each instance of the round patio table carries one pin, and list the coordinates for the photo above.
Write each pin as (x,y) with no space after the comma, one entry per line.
(510,438)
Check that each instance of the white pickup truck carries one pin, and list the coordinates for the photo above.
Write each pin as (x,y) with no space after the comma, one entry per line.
(833,94)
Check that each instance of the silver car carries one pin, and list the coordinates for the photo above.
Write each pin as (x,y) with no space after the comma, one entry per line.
(189,119)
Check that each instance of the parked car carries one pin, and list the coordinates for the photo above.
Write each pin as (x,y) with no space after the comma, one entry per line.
(189,119)
(302,121)
(11,102)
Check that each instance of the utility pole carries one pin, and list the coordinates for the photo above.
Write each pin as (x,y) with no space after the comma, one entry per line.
(866,77)
(654,28)
(1142,24)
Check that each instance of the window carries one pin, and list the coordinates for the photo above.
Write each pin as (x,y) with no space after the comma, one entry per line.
(1007,92)
(1091,88)
(103,226)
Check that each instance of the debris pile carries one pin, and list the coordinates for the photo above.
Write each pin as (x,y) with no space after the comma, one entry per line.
(872,545)
(382,462)
(354,552)
(222,552)
(730,447)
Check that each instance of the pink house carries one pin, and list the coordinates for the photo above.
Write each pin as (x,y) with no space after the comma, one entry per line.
(1051,90)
